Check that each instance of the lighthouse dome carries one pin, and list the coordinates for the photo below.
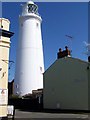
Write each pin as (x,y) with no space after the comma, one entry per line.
(30,2)
(29,7)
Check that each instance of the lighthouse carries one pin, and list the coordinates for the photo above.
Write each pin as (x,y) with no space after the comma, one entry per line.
(29,60)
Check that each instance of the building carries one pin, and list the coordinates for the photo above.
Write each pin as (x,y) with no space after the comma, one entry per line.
(5,35)
(29,61)
(10,88)
(66,84)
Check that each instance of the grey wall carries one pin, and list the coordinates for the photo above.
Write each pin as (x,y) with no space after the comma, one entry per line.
(89,52)
(66,85)
(89,86)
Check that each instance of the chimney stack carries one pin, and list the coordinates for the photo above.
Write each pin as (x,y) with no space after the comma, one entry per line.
(63,53)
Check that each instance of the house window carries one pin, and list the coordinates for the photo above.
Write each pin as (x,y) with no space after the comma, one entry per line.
(0,69)
(1,26)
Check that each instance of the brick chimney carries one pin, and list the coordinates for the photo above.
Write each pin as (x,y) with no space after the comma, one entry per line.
(63,53)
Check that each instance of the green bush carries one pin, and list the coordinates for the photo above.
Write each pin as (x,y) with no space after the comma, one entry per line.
(14,96)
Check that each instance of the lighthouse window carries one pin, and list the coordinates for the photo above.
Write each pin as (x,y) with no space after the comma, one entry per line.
(37,24)
(16,86)
(1,26)
(41,69)
(32,8)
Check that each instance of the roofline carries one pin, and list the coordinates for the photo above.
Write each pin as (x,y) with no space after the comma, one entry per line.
(6,33)
(66,58)
(80,60)
(5,20)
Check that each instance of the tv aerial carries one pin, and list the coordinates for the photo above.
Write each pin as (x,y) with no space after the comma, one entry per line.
(87,47)
(69,38)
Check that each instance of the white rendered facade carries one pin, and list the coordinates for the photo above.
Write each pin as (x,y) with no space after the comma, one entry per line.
(5,36)
(29,63)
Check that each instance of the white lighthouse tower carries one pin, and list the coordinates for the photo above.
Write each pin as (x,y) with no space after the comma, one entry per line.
(29,61)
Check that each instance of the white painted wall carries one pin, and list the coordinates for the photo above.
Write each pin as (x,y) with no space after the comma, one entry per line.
(29,75)
(66,85)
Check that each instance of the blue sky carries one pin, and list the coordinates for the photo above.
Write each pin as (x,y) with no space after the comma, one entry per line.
(59,19)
